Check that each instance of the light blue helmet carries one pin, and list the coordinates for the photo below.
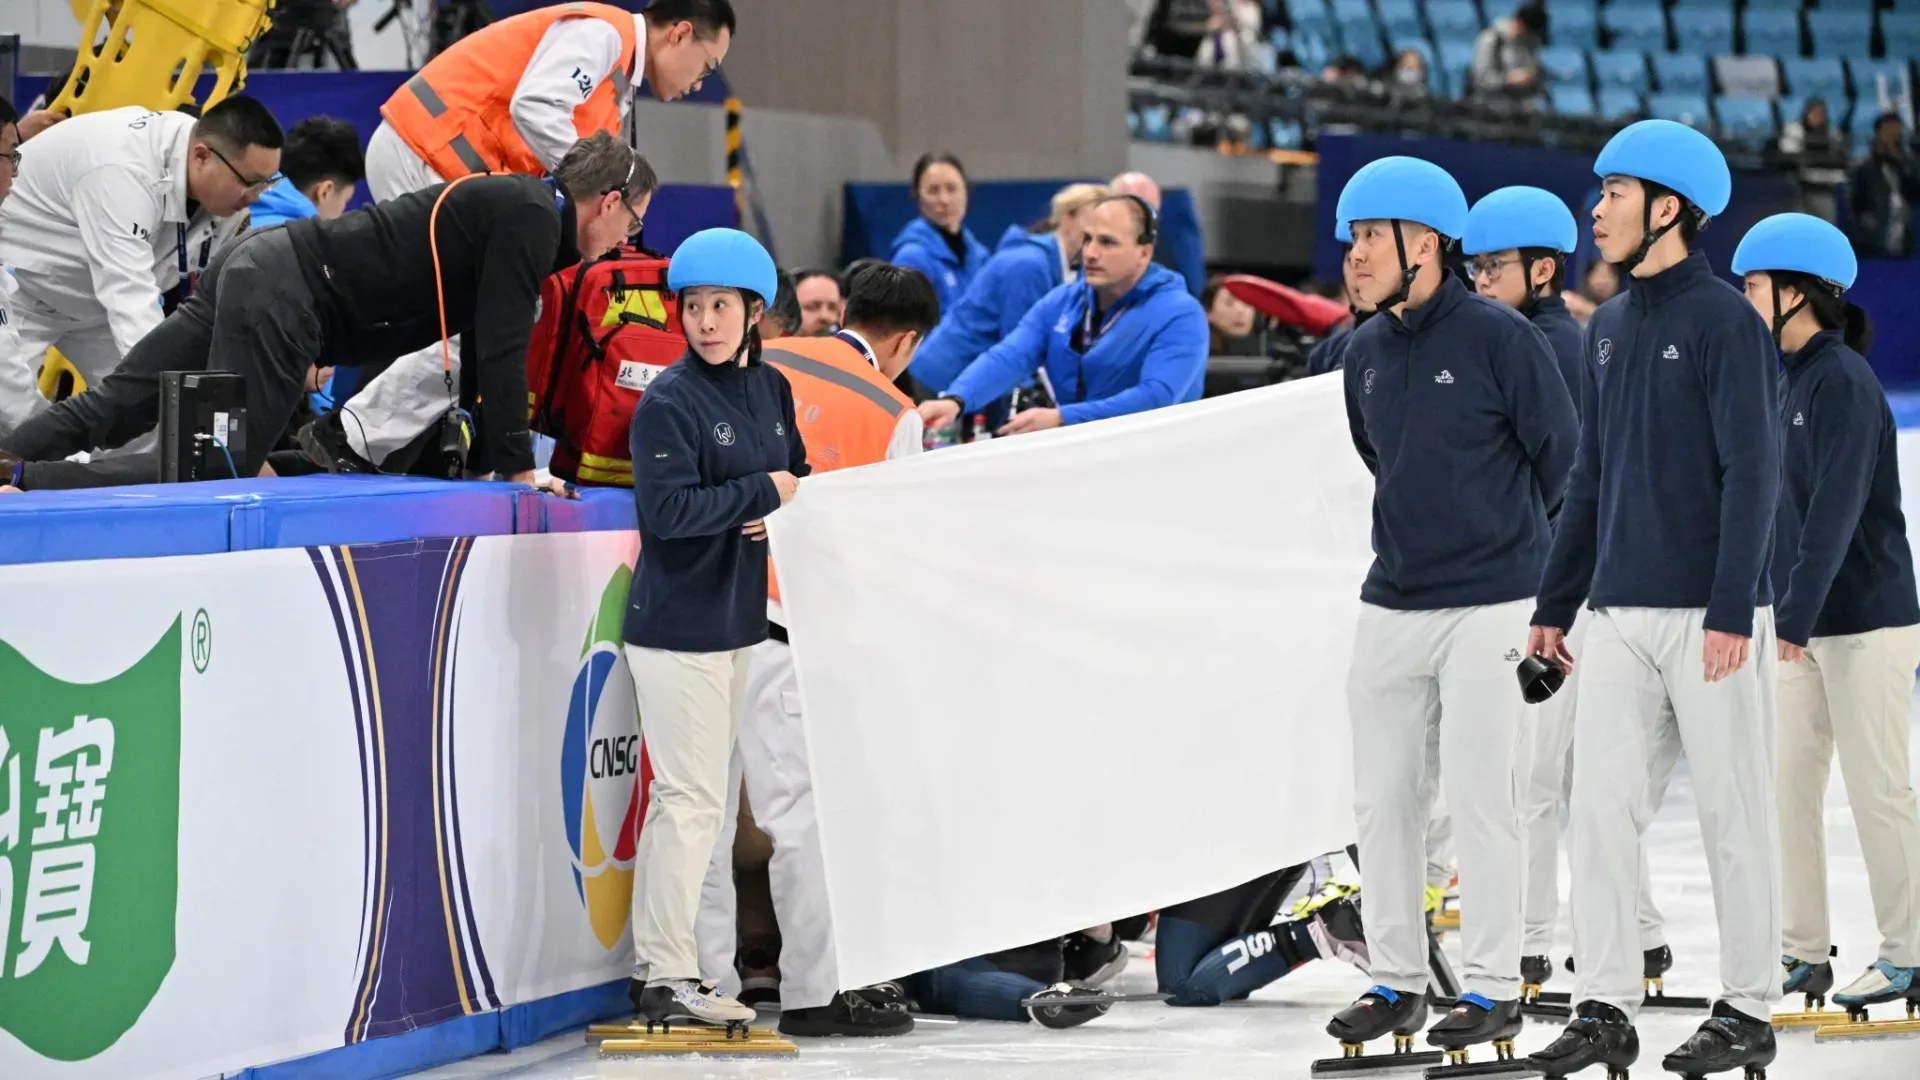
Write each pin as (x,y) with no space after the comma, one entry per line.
(1343,232)
(1672,155)
(1404,189)
(1519,217)
(724,257)
(1799,242)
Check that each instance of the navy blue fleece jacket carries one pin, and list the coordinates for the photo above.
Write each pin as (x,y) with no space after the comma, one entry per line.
(1569,346)
(1674,490)
(1841,564)
(1459,410)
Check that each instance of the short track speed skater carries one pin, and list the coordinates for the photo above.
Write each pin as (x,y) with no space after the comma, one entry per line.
(1378,1012)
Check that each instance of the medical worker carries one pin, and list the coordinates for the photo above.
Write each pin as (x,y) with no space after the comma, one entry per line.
(1029,264)
(1665,534)
(850,415)
(938,242)
(1848,620)
(1458,409)
(513,96)
(1126,338)
(119,207)
(1519,240)
(716,448)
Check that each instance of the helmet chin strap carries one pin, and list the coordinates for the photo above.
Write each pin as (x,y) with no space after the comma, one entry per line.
(1782,318)
(1649,235)
(1532,300)
(1407,273)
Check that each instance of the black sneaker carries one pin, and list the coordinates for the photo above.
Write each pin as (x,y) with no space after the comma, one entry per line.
(324,441)
(849,1014)
(1730,1039)
(1090,963)
(1599,1035)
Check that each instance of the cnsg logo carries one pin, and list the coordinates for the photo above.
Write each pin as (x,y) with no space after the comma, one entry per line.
(603,772)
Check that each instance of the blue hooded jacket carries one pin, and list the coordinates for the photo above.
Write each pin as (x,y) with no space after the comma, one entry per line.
(1025,268)
(921,246)
(1151,354)
(281,203)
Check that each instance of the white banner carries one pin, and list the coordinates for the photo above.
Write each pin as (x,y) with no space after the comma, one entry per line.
(1070,677)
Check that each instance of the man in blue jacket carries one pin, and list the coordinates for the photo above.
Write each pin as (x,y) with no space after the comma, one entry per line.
(1458,409)
(1126,339)
(1665,534)
(320,167)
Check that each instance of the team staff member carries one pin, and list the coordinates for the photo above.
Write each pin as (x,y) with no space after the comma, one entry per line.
(822,303)
(1458,409)
(513,97)
(1665,534)
(938,242)
(1849,620)
(850,415)
(716,448)
(1028,266)
(1127,338)
(120,207)
(321,166)
(352,289)
(1327,355)
(1518,240)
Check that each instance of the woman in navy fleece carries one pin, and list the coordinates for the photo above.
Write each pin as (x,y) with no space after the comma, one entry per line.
(715,450)
(938,242)
(1848,617)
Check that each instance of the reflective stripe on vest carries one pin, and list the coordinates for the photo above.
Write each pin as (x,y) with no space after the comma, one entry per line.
(846,380)
(436,108)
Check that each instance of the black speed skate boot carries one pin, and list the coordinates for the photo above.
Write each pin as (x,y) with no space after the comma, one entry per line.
(1055,1007)
(1379,1011)
(1092,963)
(1534,973)
(1599,1035)
(1472,1021)
(850,1013)
(1814,981)
(1730,1039)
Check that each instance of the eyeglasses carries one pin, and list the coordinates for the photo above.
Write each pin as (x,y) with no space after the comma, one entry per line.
(251,185)
(633,229)
(1488,269)
(13,161)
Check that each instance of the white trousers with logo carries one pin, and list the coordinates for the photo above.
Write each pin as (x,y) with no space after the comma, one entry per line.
(86,343)
(772,757)
(411,395)
(690,707)
(1452,669)
(1643,699)
(1547,785)
(1852,694)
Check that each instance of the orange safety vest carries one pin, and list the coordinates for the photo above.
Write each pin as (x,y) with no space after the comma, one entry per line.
(847,410)
(457,112)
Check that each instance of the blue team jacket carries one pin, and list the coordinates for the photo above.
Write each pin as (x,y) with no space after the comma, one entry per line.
(704,438)
(1841,564)
(921,246)
(1025,268)
(280,203)
(1459,411)
(1675,487)
(1152,353)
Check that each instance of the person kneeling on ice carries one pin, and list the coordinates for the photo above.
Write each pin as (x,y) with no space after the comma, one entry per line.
(1225,946)
(716,448)
(1849,618)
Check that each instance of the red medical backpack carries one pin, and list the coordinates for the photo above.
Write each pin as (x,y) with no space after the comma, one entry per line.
(606,328)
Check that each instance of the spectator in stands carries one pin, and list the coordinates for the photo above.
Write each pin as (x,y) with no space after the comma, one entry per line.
(938,242)
(103,224)
(1345,72)
(782,317)
(1885,189)
(1506,57)
(1231,321)
(822,302)
(352,290)
(1127,339)
(1813,151)
(320,168)
(1407,80)
(1232,41)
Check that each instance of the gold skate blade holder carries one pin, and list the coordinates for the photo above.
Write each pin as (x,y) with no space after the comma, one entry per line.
(633,1038)
(1447,919)
(1816,1015)
(1857,1026)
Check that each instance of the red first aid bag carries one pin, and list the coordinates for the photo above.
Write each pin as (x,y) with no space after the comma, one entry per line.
(606,328)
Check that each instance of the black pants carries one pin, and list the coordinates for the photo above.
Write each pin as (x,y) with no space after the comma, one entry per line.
(252,314)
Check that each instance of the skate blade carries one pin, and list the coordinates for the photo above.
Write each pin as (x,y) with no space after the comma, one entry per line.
(1554,997)
(1548,1009)
(1092,999)
(1371,1063)
(1668,1001)
(1867,1029)
(1813,1018)
(1448,919)
(756,1042)
(637,1029)
(1516,1067)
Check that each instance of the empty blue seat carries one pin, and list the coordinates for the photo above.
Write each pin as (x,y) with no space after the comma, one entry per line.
(1632,24)
(1775,33)
(1745,118)
(1574,27)
(1867,81)
(1820,76)
(1453,18)
(1703,30)
(1572,100)
(1401,19)
(1772,5)
(1360,37)
(1704,5)
(1312,48)
(1846,5)
(1840,33)
(1455,60)
(1565,66)
(1680,73)
(1619,103)
(1901,31)
(1309,15)
(1347,9)
(1621,70)
(1688,109)
(1747,76)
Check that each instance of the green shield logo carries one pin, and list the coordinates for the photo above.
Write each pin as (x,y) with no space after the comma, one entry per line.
(89,848)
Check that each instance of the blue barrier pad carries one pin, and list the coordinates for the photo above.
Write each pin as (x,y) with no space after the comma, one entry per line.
(1906,408)
(596,510)
(111,523)
(310,510)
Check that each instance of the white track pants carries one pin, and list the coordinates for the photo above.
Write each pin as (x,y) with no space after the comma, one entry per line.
(1546,788)
(1643,699)
(1854,695)
(690,706)
(411,395)
(88,344)
(1454,669)
(772,757)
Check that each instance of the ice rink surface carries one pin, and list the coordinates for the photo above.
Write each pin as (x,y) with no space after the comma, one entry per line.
(1277,1033)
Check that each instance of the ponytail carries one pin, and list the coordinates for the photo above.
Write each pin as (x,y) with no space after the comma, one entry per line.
(1858,331)
(1829,309)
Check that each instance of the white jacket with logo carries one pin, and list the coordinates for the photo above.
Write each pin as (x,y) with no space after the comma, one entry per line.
(98,218)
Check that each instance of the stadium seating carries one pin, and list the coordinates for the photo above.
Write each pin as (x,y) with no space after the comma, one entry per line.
(1633,24)
(1703,30)
(1312,47)
(1689,109)
(1877,80)
(1747,76)
(1565,66)
(1453,18)
(1772,5)
(1840,33)
(1620,103)
(1821,76)
(1574,26)
(1745,118)
(1680,73)
(1571,100)
(1773,32)
(1620,70)
(1401,18)
(1901,31)
(1310,15)
(1360,38)
(1456,60)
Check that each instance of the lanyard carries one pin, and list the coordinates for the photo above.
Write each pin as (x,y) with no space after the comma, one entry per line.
(854,340)
(1089,334)
(187,275)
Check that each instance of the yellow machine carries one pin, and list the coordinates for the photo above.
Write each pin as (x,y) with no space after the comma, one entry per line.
(150,53)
